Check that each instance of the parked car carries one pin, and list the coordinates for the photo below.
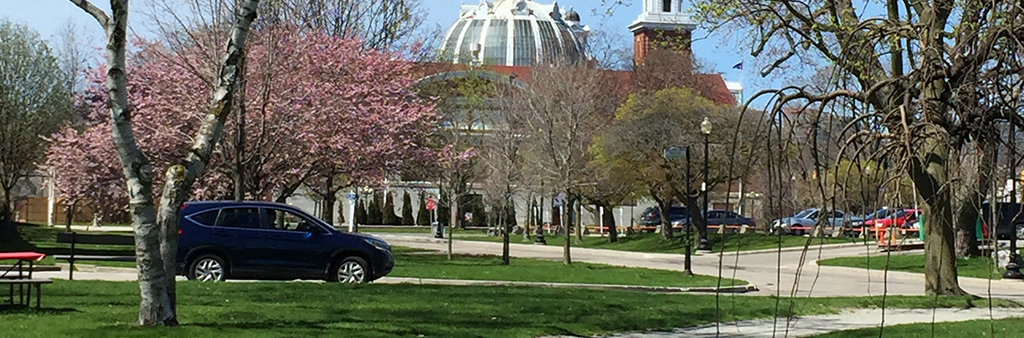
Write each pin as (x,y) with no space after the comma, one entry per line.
(808,218)
(723,217)
(1010,219)
(652,216)
(262,240)
(887,217)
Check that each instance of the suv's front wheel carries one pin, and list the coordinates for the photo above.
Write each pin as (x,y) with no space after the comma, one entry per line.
(207,268)
(351,270)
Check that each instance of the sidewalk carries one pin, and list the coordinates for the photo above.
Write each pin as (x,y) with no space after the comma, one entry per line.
(783,273)
(815,325)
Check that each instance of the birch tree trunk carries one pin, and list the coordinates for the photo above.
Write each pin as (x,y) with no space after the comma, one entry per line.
(156,245)
(179,178)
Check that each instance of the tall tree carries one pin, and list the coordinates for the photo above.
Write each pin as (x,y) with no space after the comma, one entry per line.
(422,215)
(632,150)
(503,160)
(560,113)
(927,77)
(407,218)
(156,235)
(33,104)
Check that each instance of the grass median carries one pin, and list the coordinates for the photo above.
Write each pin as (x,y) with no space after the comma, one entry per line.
(431,265)
(979,267)
(975,328)
(653,243)
(285,309)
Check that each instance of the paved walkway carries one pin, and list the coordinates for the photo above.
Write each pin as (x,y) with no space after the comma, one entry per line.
(815,325)
(790,272)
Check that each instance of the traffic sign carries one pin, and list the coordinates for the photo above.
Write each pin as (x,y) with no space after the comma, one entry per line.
(431,204)
(672,153)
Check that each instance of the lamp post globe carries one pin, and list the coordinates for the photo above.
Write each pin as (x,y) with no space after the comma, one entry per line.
(705,126)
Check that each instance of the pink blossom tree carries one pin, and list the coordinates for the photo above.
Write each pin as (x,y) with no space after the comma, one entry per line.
(326,113)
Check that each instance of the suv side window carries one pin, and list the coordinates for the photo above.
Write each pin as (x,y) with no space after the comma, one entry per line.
(207,218)
(248,218)
(278,219)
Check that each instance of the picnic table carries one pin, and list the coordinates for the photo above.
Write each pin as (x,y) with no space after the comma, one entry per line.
(16,276)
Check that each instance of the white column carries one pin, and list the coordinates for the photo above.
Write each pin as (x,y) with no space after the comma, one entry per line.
(351,215)
(600,220)
(50,198)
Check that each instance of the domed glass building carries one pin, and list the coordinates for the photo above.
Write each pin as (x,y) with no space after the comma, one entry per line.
(514,33)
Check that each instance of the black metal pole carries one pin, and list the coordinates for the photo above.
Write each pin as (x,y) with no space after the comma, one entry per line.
(704,243)
(687,267)
(1013,266)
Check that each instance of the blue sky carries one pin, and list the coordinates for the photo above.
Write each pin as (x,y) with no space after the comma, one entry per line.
(46,16)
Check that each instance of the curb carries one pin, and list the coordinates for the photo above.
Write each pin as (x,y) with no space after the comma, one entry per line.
(798,248)
(96,268)
(657,289)
(696,253)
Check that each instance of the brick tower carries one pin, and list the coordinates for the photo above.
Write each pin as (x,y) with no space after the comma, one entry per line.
(661,21)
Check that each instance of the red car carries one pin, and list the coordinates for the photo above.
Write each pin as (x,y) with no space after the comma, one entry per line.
(884,218)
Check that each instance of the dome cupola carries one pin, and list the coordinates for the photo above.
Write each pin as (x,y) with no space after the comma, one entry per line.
(513,33)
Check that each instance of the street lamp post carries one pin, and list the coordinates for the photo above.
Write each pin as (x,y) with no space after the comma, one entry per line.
(672,153)
(689,240)
(705,128)
(1013,266)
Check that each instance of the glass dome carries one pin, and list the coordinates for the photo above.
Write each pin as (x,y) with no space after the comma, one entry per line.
(513,33)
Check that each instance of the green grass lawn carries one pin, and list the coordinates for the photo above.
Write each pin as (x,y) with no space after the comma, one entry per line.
(976,328)
(648,242)
(285,309)
(423,265)
(972,267)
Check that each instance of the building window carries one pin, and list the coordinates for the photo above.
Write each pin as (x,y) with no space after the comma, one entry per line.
(666,6)
(448,54)
(470,40)
(525,43)
(496,43)
(549,42)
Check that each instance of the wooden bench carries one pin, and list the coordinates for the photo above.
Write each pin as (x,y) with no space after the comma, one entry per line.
(104,239)
(26,298)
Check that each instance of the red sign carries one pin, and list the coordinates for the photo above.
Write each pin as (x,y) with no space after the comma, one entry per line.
(431,204)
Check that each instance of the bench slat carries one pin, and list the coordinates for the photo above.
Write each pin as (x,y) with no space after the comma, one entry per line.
(26,281)
(96,258)
(65,237)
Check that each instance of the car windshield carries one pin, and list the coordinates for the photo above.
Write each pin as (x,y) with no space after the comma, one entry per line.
(883,213)
(804,213)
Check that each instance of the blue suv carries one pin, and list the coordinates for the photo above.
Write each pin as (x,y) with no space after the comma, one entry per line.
(263,240)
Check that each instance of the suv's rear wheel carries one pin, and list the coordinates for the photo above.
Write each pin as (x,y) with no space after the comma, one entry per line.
(351,270)
(207,268)
(1020,231)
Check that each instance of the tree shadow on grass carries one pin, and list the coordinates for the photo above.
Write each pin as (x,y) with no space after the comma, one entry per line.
(7,309)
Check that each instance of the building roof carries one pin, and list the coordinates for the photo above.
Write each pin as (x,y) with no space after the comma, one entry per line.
(712,86)
(513,33)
